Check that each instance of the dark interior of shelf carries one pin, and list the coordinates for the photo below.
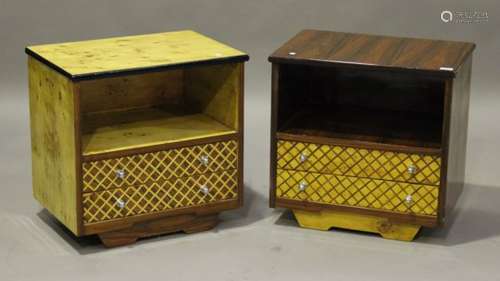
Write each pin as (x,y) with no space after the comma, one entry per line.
(375,106)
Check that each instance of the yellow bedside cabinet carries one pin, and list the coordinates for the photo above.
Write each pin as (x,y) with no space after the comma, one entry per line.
(369,132)
(137,136)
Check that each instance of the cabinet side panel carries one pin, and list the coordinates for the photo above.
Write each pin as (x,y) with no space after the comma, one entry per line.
(457,138)
(214,90)
(241,130)
(53,142)
(273,142)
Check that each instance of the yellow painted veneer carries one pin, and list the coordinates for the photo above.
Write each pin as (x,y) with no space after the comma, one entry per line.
(53,142)
(103,111)
(133,52)
(325,220)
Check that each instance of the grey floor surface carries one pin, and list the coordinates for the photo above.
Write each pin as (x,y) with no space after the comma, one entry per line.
(253,243)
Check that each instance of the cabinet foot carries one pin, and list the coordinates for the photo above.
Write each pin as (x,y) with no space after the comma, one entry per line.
(325,220)
(185,223)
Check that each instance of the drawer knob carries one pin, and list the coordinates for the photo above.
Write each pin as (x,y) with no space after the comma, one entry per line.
(412,169)
(302,186)
(204,189)
(120,173)
(303,158)
(120,203)
(408,200)
(204,160)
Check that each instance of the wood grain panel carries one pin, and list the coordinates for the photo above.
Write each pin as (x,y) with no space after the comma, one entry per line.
(326,47)
(188,223)
(118,131)
(427,221)
(215,91)
(132,91)
(53,142)
(275,77)
(93,57)
(325,220)
(455,138)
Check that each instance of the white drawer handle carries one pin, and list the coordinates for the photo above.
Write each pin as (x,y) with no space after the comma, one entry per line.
(204,189)
(204,160)
(120,173)
(302,186)
(409,200)
(120,203)
(303,158)
(412,169)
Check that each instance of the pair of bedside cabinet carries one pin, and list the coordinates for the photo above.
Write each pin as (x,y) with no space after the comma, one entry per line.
(143,135)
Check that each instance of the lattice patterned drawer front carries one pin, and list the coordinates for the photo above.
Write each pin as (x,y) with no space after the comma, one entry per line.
(159,166)
(359,162)
(160,196)
(315,157)
(359,192)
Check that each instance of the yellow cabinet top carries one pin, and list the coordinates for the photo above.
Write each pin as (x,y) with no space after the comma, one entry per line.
(132,54)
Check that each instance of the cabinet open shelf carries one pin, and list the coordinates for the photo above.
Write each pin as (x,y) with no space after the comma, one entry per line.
(382,108)
(367,125)
(144,110)
(122,130)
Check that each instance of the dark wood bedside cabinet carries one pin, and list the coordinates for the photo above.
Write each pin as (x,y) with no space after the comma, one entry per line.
(369,132)
(137,136)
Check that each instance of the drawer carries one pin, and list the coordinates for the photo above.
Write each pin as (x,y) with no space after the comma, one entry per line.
(160,196)
(313,157)
(331,189)
(359,162)
(159,166)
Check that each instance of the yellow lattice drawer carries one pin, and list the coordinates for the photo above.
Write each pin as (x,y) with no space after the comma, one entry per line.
(315,157)
(359,162)
(160,196)
(159,166)
(357,192)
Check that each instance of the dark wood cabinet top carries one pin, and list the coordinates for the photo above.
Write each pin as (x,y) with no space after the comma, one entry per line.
(326,48)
